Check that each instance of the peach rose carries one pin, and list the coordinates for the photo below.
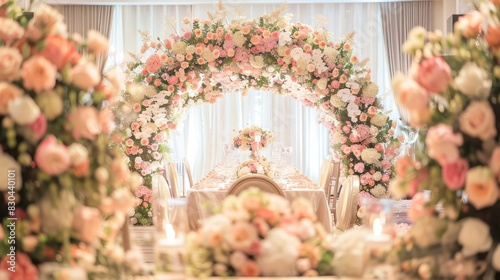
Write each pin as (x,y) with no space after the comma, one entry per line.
(481,187)
(402,165)
(410,94)
(10,64)
(240,236)
(433,74)
(418,208)
(96,42)
(85,75)
(153,63)
(454,174)
(84,123)
(11,31)
(51,157)
(418,118)
(38,74)
(470,24)
(250,269)
(493,36)
(59,51)
(8,92)
(478,120)
(87,224)
(442,144)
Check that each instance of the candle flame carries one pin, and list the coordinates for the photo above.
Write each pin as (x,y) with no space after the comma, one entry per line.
(377,226)
(169,231)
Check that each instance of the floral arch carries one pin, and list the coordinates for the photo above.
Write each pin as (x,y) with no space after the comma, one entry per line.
(216,56)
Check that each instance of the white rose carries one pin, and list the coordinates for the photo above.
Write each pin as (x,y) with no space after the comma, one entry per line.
(257,61)
(101,175)
(397,188)
(370,155)
(371,90)
(212,227)
(23,110)
(51,104)
(321,84)
(478,120)
(495,260)
(473,81)
(337,102)
(306,229)
(348,260)
(426,229)
(373,130)
(11,173)
(279,254)
(8,92)
(243,171)
(377,176)
(85,75)
(474,237)
(190,49)
(379,120)
(77,153)
(378,191)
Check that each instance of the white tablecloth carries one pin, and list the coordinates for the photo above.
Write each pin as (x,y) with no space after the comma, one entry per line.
(201,203)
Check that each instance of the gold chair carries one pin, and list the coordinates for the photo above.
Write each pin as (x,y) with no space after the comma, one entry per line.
(348,203)
(325,176)
(259,181)
(188,172)
(174,180)
(334,185)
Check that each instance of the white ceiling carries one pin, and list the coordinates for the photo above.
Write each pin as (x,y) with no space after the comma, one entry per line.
(194,2)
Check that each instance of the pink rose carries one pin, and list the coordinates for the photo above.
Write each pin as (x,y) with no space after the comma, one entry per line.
(8,92)
(478,120)
(494,163)
(359,167)
(454,174)
(433,74)
(481,187)
(153,63)
(25,270)
(120,169)
(412,96)
(106,120)
(51,157)
(38,74)
(59,51)
(39,127)
(11,31)
(84,123)
(418,208)
(85,75)
(87,224)
(442,144)
(10,64)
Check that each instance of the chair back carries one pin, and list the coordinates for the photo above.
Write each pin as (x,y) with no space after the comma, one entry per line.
(334,186)
(174,180)
(325,175)
(348,203)
(259,181)
(188,172)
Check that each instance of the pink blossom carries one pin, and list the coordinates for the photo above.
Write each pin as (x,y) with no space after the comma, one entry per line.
(379,147)
(144,141)
(359,167)
(418,207)
(433,74)
(87,224)
(365,178)
(385,178)
(442,143)
(346,129)
(454,174)
(38,74)
(51,157)
(84,123)
(173,80)
(39,127)
(85,75)
(154,147)
(129,142)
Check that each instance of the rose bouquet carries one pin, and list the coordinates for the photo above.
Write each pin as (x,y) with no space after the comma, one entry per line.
(259,234)
(66,191)
(452,94)
(253,138)
(256,166)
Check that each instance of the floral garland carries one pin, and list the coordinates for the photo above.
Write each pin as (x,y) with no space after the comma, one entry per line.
(260,165)
(271,53)
(246,139)
(68,192)
(278,239)
(454,98)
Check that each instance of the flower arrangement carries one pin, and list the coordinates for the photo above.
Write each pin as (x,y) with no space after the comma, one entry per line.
(452,94)
(256,166)
(259,234)
(215,56)
(65,191)
(253,138)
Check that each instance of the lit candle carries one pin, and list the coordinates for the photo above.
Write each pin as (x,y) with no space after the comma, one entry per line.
(258,137)
(378,236)
(169,254)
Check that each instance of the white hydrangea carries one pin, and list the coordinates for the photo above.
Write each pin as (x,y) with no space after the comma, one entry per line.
(377,176)
(179,47)
(373,130)
(379,120)
(190,49)
(337,102)
(239,39)
(337,136)
(371,90)
(378,191)
(257,61)
(330,54)
(370,155)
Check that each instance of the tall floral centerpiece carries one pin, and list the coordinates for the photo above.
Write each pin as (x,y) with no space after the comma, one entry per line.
(253,139)
(452,95)
(65,193)
(260,234)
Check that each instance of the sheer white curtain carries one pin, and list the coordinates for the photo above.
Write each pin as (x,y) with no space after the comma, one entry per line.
(208,127)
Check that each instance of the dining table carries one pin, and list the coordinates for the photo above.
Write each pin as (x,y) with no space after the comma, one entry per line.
(205,197)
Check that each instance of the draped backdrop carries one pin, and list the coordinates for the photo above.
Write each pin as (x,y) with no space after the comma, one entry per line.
(208,127)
